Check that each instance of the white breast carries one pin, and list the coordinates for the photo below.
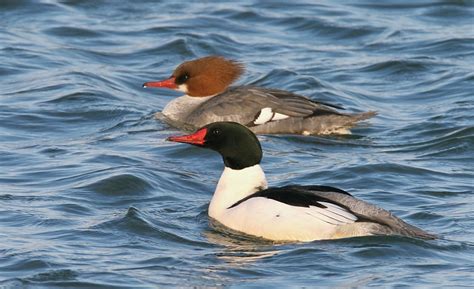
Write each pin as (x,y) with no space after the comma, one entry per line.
(233,186)
(179,108)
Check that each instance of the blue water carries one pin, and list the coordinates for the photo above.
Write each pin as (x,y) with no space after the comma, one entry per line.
(92,196)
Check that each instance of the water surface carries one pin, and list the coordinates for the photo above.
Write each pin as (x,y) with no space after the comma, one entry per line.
(92,196)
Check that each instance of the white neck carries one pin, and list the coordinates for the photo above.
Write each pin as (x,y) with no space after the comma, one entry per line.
(235,185)
(179,108)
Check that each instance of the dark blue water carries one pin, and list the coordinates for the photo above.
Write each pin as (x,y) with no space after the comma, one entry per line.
(92,196)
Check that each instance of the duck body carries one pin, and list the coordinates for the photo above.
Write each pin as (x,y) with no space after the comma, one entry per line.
(263,110)
(243,202)
(208,98)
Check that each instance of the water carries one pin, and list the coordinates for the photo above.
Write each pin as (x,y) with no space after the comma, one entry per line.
(92,196)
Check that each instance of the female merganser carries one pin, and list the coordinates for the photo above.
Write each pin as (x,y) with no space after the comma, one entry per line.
(208,99)
(243,202)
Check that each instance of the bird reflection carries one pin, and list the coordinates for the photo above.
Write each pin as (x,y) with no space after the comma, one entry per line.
(239,248)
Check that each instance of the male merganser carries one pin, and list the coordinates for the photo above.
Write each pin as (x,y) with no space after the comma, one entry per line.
(208,99)
(243,202)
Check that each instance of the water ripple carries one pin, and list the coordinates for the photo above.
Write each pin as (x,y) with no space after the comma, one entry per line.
(91,194)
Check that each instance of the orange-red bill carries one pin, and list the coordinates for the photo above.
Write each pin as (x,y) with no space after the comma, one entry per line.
(167,83)
(196,138)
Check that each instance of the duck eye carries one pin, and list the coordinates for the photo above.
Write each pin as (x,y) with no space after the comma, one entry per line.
(216,131)
(182,78)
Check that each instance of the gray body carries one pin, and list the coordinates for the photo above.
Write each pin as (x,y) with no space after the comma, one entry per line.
(244,104)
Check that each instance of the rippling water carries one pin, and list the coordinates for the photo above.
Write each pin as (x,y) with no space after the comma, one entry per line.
(92,196)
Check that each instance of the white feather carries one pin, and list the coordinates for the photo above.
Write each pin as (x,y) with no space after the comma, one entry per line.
(235,185)
(183,88)
(180,107)
(264,116)
(267,115)
(279,116)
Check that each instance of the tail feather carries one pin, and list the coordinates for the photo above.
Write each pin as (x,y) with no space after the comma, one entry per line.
(363,115)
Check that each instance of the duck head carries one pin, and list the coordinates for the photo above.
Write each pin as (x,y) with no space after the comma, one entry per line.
(238,146)
(202,77)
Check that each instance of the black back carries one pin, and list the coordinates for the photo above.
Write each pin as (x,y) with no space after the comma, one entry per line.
(300,196)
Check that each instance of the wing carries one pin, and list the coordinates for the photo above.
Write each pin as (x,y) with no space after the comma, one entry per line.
(366,212)
(318,207)
(337,207)
(254,106)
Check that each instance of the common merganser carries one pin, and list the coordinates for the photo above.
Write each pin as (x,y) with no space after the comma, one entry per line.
(243,202)
(208,98)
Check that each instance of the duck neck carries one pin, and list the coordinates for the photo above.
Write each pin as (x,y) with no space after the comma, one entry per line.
(182,106)
(235,185)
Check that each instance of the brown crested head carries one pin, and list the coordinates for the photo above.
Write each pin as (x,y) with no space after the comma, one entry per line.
(208,75)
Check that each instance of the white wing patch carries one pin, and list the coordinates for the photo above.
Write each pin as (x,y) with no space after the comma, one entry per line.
(332,214)
(267,114)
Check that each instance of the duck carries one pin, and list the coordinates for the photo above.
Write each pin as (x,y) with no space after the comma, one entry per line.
(243,202)
(208,97)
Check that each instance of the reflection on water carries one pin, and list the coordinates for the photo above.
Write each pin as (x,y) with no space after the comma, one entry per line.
(238,248)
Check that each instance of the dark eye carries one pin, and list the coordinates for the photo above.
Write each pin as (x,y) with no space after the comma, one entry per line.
(216,131)
(182,78)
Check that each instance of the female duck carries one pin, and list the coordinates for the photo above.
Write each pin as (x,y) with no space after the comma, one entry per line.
(208,99)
